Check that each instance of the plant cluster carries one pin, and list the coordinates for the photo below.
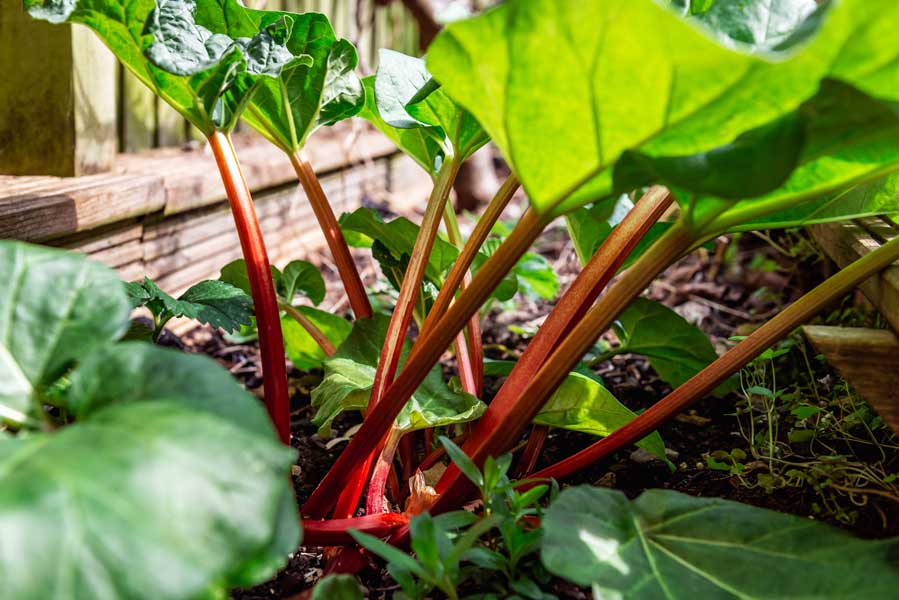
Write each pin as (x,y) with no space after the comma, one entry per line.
(652,129)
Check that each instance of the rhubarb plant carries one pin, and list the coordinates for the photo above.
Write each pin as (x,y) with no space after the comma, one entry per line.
(131,454)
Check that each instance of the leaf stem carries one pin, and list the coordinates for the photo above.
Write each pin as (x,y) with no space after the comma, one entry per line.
(498,429)
(389,360)
(590,282)
(335,532)
(343,260)
(425,353)
(465,259)
(311,328)
(375,502)
(268,318)
(735,359)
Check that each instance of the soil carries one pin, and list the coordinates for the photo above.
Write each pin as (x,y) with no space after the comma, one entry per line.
(719,289)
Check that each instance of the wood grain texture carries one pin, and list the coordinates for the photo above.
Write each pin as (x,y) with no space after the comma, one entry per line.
(866,358)
(846,242)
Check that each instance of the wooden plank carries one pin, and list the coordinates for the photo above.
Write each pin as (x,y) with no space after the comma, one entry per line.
(866,358)
(57,98)
(171,128)
(103,238)
(847,242)
(137,113)
(66,206)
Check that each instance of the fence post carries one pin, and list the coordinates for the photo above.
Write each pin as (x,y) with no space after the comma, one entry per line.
(57,97)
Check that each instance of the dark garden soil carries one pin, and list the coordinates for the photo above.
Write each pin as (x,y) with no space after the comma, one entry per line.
(726,290)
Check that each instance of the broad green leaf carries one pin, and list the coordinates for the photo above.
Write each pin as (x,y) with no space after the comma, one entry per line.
(406,97)
(217,303)
(298,277)
(757,24)
(289,109)
(350,373)
(666,544)
(676,94)
(581,403)
(337,587)
(416,143)
(131,502)
(55,307)
(132,372)
(205,60)
(676,349)
(589,226)
(364,226)
(302,350)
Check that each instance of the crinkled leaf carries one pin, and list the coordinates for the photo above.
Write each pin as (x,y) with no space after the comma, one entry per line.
(407,98)
(203,60)
(302,349)
(695,94)
(416,143)
(581,403)
(666,544)
(137,372)
(350,373)
(56,307)
(215,302)
(364,225)
(154,484)
(757,24)
(676,349)
(287,110)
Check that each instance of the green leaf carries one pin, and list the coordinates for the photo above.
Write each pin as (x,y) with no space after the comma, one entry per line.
(669,545)
(757,24)
(364,226)
(298,277)
(462,461)
(350,373)
(56,307)
(678,93)
(204,61)
(133,372)
(302,350)
(582,403)
(217,303)
(291,108)
(676,349)
(337,587)
(392,555)
(407,97)
(128,504)
(416,143)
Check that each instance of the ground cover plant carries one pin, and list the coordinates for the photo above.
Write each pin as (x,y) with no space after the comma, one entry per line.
(651,129)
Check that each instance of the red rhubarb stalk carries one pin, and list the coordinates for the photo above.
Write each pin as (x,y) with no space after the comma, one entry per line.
(335,532)
(731,362)
(389,360)
(343,260)
(265,303)
(572,306)
(425,353)
(512,415)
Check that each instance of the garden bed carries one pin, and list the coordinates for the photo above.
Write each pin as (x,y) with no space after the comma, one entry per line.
(726,290)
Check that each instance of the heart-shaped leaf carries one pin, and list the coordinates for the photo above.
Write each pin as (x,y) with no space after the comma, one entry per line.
(205,61)
(666,544)
(298,277)
(350,374)
(57,307)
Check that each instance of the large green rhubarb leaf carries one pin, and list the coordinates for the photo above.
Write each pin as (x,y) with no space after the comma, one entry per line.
(666,544)
(677,93)
(350,374)
(149,500)
(205,60)
(55,307)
